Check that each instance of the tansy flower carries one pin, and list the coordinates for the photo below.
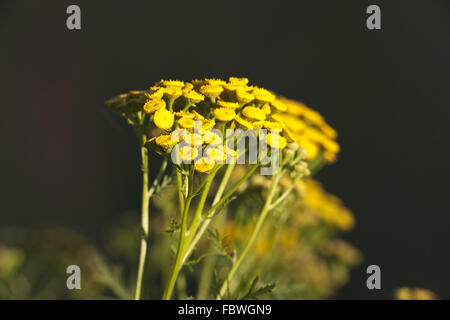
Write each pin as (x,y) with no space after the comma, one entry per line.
(273,125)
(156,93)
(243,96)
(266,109)
(263,95)
(172,83)
(225,104)
(216,153)
(278,105)
(187,153)
(204,165)
(193,96)
(186,122)
(207,124)
(215,82)
(272,141)
(167,140)
(182,114)
(163,119)
(224,114)
(253,113)
(258,124)
(194,139)
(238,81)
(172,92)
(210,137)
(211,91)
(244,123)
(154,105)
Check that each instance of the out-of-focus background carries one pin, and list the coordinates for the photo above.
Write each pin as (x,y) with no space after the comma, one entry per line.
(66,161)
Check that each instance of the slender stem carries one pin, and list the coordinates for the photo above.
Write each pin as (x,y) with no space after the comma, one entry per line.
(207,221)
(253,237)
(180,190)
(144,220)
(181,242)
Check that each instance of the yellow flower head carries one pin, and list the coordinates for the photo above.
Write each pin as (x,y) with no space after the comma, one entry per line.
(210,90)
(243,96)
(187,153)
(210,137)
(171,83)
(216,153)
(167,140)
(186,122)
(154,105)
(194,139)
(163,119)
(215,82)
(207,124)
(238,81)
(273,125)
(278,105)
(263,95)
(254,113)
(155,93)
(224,114)
(243,123)
(272,141)
(172,92)
(225,104)
(266,109)
(204,165)
(183,114)
(193,96)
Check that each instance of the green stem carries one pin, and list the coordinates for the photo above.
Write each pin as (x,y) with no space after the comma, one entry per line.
(144,220)
(253,237)
(207,221)
(176,267)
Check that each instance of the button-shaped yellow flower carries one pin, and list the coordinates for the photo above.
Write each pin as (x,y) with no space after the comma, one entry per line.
(216,153)
(154,105)
(187,153)
(253,113)
(194,139)
(224,114)
(238,81)
(155,93)
(193,96)
(278,105)
(167,140)
(163,119)
(172,83)
(183,114)
(211,90)
(210,137)
(186,122)
(263,95)
(243,123)
(266,109)
(273,125)
(226,104)
(172,92)
(204,165)
(243,96)
(272,141)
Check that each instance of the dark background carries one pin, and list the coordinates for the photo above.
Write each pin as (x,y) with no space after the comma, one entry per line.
(66,161)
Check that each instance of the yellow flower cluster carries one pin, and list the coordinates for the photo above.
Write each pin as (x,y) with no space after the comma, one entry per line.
(406,293)
(175,107)
(310,130)
(327,207)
